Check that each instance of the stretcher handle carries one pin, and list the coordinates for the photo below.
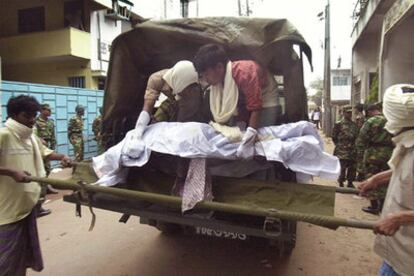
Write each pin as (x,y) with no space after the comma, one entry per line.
(326,221)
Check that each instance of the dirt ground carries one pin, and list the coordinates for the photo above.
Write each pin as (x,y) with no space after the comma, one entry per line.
(114,248)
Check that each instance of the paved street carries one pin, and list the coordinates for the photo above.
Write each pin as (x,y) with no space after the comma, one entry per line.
(113,248)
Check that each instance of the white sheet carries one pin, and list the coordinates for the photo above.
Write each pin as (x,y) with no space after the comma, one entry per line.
(297,145)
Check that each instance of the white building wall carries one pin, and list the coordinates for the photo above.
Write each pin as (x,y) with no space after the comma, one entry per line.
(218,8)
(365,58)
(105,30)
(342,91)
(158,9)
(171,9)
(398,57)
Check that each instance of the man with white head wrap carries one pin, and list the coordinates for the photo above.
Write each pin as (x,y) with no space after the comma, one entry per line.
(395,242)
(180,85)
(181,79)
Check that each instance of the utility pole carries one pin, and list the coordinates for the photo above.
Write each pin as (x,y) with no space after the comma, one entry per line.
(327,118)
(239,5)
(247,8)
(165,9)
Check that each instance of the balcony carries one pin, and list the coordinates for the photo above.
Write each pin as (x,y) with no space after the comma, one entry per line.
(63,44)
(368,16)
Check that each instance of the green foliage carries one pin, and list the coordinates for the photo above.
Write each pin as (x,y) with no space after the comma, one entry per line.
(374,90)
(318,86)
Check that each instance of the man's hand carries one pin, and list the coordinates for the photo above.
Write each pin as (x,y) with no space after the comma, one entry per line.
(387,226)
(375,181)
(66,161)
(366,186)
(134,148)
(246,148)
(142,122)
(20,176)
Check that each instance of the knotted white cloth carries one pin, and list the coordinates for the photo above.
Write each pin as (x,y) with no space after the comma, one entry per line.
(26,135)
(398,107)
(224,98)
(297,145)
(181,75)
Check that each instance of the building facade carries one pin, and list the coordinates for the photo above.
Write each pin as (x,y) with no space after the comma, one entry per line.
(382,51)
(172,9)
(61,42)
(340,86)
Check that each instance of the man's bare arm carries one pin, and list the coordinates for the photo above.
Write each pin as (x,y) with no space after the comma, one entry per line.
(18,176)
(389,225)
(64,159)
(254,119)
(375,181)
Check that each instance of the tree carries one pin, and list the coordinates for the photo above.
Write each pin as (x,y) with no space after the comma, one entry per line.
(317,85)
(373,90)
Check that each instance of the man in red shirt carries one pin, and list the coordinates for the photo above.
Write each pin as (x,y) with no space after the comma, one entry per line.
(241,92)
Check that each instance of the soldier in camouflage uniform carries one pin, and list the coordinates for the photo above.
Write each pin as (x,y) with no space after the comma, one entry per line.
(344,135)
(166,112)
(97,131)
(359,120)
(75,132)
(359,115)
(45,130)
(374,148)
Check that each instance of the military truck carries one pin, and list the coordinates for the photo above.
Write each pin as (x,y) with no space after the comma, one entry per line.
(154,45)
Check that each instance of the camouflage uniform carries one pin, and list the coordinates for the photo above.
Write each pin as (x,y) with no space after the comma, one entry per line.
(97,129)
(167,111)
(45,129)
(374,147)
(75,134)
(360,120)
(344,135)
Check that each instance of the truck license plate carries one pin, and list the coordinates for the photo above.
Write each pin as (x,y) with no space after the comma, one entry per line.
(220,234)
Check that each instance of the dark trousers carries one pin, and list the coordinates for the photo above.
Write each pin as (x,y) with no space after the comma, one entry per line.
(317,123)
(348,170)
(189,107)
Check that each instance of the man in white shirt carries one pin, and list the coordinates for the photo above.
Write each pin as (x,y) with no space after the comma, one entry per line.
(316,117)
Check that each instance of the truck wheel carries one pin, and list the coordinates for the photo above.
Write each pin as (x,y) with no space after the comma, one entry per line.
(289,245)
(287,248)
(168,228)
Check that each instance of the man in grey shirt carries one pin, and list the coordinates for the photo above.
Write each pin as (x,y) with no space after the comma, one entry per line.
(395,239)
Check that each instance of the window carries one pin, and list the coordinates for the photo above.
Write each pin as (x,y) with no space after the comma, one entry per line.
(184,8)
(73,15)
(340,81)
(372,78)
(31,20)
(78,82)
(101,84)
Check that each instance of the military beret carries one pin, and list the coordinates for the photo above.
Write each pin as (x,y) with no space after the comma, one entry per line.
(79,107)
(45,106)
(347,108)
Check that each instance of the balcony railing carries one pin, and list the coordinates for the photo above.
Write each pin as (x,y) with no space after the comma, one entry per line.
(359,10)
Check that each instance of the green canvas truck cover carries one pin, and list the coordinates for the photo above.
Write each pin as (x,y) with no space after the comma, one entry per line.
(152,46)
